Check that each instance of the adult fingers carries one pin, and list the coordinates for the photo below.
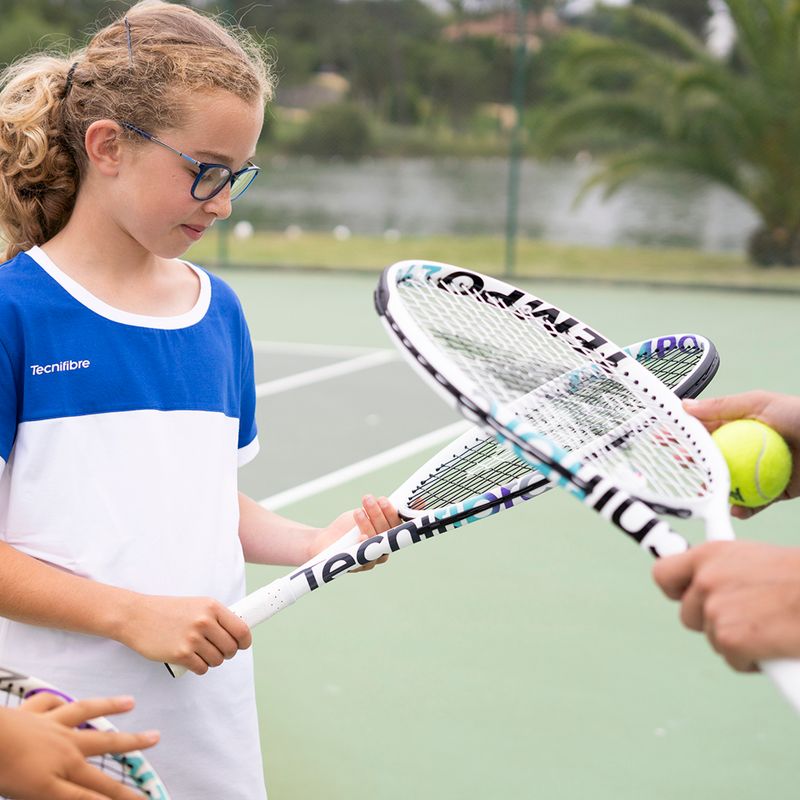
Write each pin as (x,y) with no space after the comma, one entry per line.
(716,411)
(674,574)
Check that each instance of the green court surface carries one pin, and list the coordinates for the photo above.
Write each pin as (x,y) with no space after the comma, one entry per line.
(527,656)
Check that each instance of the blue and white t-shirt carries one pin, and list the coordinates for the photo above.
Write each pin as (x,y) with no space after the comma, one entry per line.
(120,439)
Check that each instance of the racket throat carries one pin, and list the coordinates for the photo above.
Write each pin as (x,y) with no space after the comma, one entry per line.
(632,516)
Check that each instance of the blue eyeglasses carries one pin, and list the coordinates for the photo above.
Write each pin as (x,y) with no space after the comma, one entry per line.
(211,179)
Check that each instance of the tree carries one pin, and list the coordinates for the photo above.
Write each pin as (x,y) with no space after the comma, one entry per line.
(735,122)
(692,14)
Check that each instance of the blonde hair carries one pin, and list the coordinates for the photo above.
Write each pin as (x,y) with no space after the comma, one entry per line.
(140,68)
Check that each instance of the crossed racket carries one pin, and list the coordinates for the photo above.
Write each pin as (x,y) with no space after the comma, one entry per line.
(472,478)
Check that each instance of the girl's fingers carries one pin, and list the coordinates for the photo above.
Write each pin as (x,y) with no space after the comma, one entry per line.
(389,512)
(374,515)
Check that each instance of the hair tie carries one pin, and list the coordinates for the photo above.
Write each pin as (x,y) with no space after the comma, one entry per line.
(68,83)
(35,190)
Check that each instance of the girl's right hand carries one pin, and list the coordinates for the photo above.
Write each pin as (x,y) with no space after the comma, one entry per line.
(195,632)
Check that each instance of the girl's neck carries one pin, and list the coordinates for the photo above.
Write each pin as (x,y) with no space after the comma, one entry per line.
(115,268)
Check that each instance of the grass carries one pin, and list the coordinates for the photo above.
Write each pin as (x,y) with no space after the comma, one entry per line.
(534,259)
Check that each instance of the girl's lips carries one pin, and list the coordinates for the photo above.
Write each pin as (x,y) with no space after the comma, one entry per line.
(193,232)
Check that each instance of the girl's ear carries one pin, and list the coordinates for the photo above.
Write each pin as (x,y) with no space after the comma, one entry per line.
(103,146)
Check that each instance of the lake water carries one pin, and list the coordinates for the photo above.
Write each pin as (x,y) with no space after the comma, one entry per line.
(424,196)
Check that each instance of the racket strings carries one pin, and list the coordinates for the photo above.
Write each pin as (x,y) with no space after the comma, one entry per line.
(485,464)
(477,469)
(673,365)
(571,397)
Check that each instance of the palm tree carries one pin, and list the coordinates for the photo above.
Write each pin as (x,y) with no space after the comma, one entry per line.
(678,107)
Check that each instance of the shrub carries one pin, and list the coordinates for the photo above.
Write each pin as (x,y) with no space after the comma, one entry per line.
(342,129)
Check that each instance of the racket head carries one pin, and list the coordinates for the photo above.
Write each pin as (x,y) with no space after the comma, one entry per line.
(500,355)
(132,769)
(475,469)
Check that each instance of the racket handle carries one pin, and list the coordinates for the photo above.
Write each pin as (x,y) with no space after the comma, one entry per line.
(274,597)
(785,674)
(264,603)
(254,608)
(176,670)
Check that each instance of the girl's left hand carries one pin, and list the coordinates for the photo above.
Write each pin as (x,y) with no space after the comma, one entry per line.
(375,516)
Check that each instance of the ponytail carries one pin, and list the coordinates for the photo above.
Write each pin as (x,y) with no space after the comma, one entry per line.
(39,175)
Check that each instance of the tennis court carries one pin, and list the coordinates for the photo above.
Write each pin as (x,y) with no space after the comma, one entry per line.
(529,656)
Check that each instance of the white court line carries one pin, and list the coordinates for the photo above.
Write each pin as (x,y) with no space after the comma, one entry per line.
(360,468)
(372,359)
(344,350)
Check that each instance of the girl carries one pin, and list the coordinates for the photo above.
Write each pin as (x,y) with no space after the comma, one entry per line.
(126,387)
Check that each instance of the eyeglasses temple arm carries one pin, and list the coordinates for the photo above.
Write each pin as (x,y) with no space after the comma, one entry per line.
(150,137)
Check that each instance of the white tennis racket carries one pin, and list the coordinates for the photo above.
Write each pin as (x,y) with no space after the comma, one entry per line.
(131,769)
(506,360)
(470,479)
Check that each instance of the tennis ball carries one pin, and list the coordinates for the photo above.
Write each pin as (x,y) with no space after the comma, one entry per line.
(759,461)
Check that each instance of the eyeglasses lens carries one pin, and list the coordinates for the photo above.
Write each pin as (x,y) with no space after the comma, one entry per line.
(211,182)
(242,182)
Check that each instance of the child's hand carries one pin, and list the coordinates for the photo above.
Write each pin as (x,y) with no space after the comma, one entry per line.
(195,632)
(375,516)
(43,753)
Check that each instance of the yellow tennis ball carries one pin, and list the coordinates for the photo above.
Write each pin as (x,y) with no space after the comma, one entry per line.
(759,461)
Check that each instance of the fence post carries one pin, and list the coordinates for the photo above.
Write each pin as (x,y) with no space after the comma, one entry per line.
(515,150)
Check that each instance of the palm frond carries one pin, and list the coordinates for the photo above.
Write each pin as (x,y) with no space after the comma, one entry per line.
(579,121)
(676,108)
(767,33)
(598,57)
(622,168)
(682,39)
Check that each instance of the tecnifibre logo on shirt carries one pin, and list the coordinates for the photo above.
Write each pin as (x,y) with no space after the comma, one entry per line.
(61,366)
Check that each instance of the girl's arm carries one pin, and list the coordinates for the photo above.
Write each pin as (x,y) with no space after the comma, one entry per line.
(196,632)
(268,538)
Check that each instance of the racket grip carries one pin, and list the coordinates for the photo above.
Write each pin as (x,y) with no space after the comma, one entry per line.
(255,608)
(176,670)
(785,674)
(274,597)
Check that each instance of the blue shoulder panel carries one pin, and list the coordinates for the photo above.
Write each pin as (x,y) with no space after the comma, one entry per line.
(58,358)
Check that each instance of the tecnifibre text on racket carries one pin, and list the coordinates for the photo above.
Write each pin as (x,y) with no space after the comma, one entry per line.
(131,769)
(624,446)
(471,478)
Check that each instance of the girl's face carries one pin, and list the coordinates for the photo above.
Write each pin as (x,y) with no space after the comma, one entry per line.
(154,204)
